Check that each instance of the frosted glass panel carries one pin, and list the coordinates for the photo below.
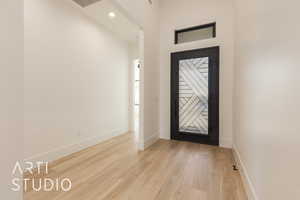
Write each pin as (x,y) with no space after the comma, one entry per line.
(193,95)
(194,35)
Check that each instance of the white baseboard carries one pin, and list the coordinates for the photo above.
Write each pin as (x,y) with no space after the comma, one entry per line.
(60,152)
(226,143)
(248,185)
(165,137)
(149,141)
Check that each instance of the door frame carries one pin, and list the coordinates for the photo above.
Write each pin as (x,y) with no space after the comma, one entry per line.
(213,103)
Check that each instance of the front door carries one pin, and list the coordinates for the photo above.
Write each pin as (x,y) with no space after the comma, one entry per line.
(195,96)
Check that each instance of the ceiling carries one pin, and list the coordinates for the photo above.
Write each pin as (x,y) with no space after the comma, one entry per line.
(99,11)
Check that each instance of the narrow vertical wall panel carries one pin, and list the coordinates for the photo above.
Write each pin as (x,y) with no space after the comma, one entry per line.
(11,95)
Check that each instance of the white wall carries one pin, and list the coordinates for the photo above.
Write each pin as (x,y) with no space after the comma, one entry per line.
(267,96)
(147,16)
(178,14)
(150,73)
(11,95)
(76,80)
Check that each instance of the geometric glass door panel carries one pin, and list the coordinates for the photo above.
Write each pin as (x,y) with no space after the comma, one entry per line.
(193,95)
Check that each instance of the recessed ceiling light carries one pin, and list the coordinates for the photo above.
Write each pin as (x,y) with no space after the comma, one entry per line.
(111,15)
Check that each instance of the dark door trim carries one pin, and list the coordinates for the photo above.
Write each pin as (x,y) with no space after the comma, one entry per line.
(213,104)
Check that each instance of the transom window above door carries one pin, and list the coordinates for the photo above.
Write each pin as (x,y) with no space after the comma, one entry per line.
(195,33)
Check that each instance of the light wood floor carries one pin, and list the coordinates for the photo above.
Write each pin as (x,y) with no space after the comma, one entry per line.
(167,170)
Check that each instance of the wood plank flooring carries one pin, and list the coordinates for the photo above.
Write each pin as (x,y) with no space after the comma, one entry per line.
(116,170)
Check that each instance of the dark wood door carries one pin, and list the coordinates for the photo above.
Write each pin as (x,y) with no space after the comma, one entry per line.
(195,95)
